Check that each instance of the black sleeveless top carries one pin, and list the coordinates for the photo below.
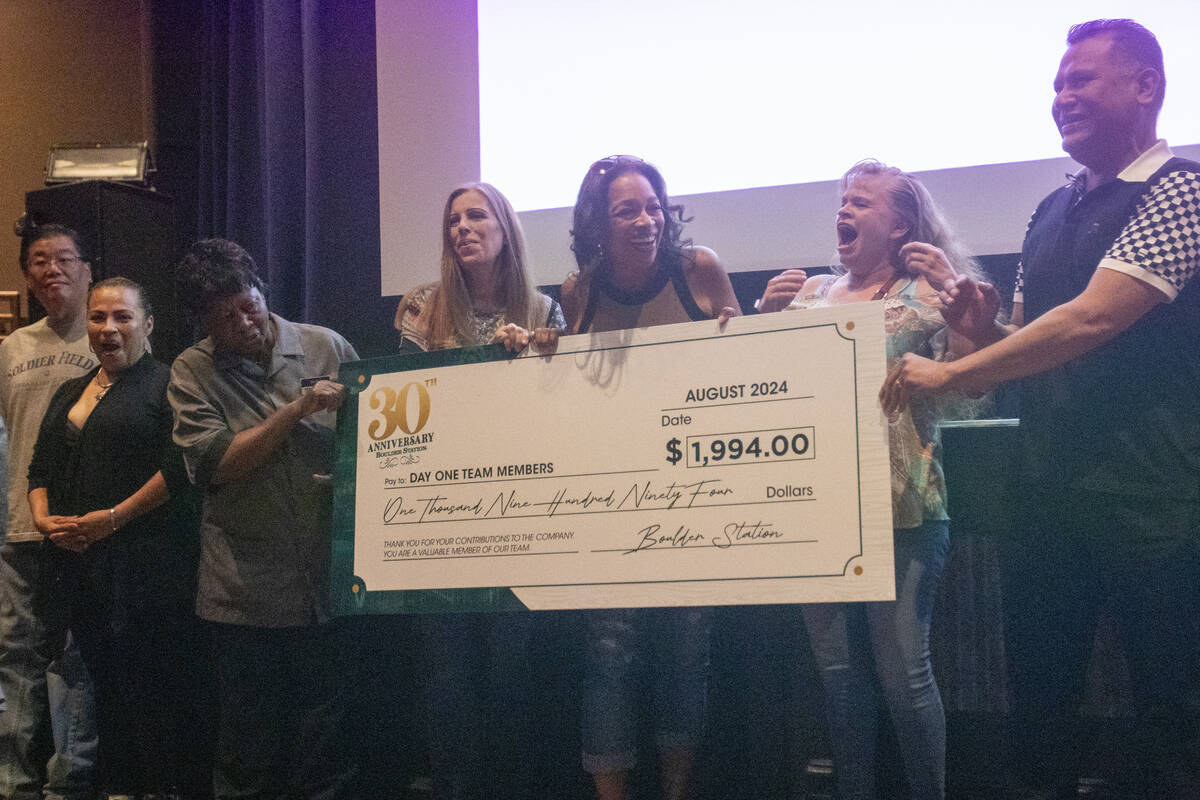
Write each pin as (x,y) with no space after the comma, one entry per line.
(664,300)
(1125,417)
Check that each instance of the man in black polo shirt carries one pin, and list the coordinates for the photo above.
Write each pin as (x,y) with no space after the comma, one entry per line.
(1107,474)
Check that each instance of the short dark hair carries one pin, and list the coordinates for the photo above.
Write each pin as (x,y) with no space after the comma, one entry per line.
(32,234)
(212,269)
(1134,40)
(124,283)
(591,223)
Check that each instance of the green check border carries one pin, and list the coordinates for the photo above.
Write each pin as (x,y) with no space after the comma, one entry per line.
(348,593)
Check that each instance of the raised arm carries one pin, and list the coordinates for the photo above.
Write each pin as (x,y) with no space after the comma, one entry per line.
(1151,261)
(250,448)
(781,290)
(213,452)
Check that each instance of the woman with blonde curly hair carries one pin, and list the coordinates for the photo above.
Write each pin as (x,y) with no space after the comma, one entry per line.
(894,247)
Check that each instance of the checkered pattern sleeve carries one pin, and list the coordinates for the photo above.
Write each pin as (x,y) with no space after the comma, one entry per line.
(1161,244)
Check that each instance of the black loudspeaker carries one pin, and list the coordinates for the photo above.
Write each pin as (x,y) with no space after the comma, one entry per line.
(127,231)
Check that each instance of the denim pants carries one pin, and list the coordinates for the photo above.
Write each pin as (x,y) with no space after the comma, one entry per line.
(848,639)
(666,648)
(48,728)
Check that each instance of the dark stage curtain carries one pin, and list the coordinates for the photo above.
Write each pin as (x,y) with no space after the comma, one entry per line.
(267,135)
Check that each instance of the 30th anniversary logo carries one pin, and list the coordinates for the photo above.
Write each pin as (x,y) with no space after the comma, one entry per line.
(405,411)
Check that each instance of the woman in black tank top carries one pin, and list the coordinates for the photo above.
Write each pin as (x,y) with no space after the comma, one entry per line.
(636,271)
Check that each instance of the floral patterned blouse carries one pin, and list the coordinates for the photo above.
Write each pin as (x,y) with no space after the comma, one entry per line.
(913,325)
(483,326)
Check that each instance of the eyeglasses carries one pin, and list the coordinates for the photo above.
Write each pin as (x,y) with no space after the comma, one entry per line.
(608,162)
(58,261)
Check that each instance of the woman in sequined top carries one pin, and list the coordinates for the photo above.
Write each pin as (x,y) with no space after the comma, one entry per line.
(477,694)
(485,284)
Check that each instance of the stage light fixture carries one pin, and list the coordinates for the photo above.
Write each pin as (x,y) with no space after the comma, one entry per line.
(127,163)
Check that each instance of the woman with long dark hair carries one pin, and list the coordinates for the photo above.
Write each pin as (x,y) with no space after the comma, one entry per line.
(636,270)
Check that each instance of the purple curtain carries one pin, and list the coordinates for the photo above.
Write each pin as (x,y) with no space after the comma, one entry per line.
(267,135)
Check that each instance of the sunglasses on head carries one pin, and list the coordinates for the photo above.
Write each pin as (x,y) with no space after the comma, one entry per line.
(609,162)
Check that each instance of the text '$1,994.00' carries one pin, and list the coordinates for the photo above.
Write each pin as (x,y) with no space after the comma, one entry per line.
(724,449)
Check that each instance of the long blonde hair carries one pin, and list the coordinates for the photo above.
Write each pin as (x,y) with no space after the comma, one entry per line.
(914,205)
(448,314)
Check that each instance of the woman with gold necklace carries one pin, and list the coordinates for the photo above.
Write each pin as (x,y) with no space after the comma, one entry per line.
(115,572)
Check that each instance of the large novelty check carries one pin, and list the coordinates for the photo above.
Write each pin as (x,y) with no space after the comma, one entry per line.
(673,465)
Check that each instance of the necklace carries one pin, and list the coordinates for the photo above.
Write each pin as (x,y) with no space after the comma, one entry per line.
(886,287)
(102,386)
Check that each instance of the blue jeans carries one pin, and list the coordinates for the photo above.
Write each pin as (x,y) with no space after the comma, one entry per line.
(665,647)
(847,637)
(45,695)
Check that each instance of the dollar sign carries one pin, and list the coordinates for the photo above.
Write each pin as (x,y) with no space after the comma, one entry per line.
(673,453)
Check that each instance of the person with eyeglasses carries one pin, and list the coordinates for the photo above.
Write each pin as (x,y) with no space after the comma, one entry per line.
(636,270)
(476,666)
(49,699)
